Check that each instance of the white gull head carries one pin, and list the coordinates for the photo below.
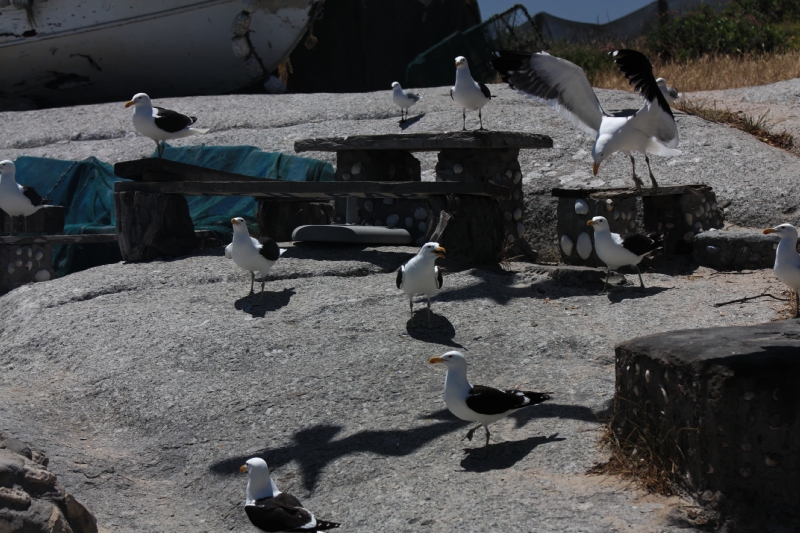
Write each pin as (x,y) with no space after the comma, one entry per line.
(461,63)
(8,168)
(259,482)
(599,224)
(139,100)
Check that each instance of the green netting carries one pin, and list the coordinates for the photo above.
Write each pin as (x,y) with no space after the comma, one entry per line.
(511,30)
(86,189)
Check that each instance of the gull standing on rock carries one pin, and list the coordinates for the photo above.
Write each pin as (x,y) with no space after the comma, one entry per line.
(421,276)
(563,86)
(404,98)
(787,261)
(476,403)
(250,254)
(468,93)
(616,251)
(160,124)
(15,199)
(269,509)
(670,93)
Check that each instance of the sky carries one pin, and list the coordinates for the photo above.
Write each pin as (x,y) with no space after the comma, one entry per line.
(577,10)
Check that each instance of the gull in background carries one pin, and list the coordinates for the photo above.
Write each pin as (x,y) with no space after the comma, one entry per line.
(563,86)
(468,93)
(404,98)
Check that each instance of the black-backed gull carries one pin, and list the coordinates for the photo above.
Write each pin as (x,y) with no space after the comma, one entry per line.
(421,276)
(467,93)
(15,199)
(160,124)
(251,254)
(616,251)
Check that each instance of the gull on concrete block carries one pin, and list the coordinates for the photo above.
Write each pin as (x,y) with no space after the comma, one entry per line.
(477,403)
(160,124)
(563,86)
(404,98)
(269,509)
(616,251)
(467,93)
(787,261)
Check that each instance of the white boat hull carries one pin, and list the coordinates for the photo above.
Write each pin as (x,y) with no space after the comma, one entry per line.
(106,50)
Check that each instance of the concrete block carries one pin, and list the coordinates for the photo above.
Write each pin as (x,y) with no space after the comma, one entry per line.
(25,263)
(721,408)
(735,250)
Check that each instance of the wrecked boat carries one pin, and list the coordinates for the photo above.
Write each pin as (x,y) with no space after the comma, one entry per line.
(66,52)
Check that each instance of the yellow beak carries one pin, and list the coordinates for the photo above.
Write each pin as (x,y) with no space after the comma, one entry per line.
(243,469)
(233,221)
(590,222)
(439,251)
(770,230)
(434,360)
(596,167)
(128,104)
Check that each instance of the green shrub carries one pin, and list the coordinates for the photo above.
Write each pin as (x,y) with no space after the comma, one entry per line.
(737,30)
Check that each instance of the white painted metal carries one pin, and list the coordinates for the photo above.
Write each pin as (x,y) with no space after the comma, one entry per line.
(106,50)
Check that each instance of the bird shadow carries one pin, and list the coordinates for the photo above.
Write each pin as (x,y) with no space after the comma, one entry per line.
(503,455)
(259,304)
(440,330)
(314,448)
(407,123)
(555,410)
(633,293)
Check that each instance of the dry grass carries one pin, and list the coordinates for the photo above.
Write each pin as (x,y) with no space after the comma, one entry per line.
(644,457)
(758,126)
(716,73)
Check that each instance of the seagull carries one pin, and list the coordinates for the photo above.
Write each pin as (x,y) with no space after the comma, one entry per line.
(250,254)
(563,86)
(670,93)
(160,124)
(403,99)
(421,275)
(616,251)
(787,261)
(15,199)
(272,510)
(468,93)
(476,403)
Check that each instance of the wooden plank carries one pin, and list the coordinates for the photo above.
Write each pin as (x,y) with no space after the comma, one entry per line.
(89,238)
(321,190)
(153,169)
(625,192)
(426,142)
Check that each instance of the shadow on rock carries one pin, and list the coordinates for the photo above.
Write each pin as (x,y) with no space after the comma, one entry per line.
(259,304)
(633,293)
(387,260)
(502,455)
(554,410)
(315,447)
(407,123)
(439,331)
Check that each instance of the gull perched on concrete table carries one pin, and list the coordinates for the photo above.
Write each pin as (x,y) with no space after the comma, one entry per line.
(476,403)
(421,276)
(160,124)
(468,93)
(403,98)
(269,509)
(616,251)
(787,261)
(15,199)
(563,86)
(250,254)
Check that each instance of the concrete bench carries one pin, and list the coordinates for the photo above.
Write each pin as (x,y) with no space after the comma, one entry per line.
(153,215)
(489,157)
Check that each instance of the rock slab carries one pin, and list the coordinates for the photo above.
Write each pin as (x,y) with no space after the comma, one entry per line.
(735,250)
(31,499)
(722,409)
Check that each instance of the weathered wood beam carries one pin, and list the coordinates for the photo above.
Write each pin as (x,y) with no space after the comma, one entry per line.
(88,238)
(320,190)
(628,191)
(153,169)
(426,142)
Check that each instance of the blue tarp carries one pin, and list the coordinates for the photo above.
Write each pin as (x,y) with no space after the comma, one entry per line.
(86,189)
